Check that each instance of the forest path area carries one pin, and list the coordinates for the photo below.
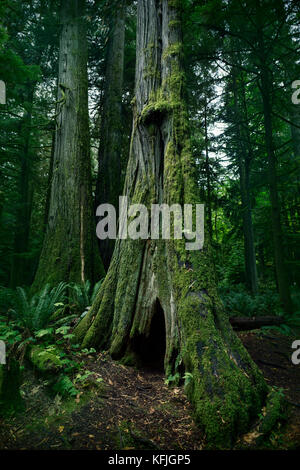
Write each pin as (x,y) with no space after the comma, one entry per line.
(272,352)
(134,409)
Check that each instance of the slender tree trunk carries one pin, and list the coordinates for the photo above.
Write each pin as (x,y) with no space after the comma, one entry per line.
(155,290)
(108,186)
(281,270)
(23,216)
(295,129)
(207,169)
(69,251)
(244,160)
(250,258)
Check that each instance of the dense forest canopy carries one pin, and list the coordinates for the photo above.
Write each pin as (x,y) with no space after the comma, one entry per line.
(164,102)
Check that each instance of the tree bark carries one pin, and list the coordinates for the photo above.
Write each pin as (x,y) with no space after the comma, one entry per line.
(22,228)
(280,266)
(295,129)
(207,171)
(69,250)
(244,162)
(148,279)
(50,175)
(108,186)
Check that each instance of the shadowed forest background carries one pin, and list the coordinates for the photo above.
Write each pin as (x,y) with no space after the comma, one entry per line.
(163,101)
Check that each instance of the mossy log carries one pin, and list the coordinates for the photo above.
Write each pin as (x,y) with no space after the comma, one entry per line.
(252,323)
(46,361)
(147,278)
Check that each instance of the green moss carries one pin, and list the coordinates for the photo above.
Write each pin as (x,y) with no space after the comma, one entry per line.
(175,4)
(274,411)
(227,390)
(46,360)
(172,50)
(152,72)
(154,108)
(129,359)
(174,24)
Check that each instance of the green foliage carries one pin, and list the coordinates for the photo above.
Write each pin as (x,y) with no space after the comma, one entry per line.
(290,326)
(46,359)
(42,323)
(88,351)
(65,387)
(173,379)
(188,379)
(10,397)
(6,299)
(274,411)
(238,302)
(84,294)
(34,312)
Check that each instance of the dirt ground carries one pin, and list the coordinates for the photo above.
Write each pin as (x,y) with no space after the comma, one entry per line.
(134,409)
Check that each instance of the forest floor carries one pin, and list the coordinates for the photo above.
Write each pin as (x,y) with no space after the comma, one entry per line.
(135,409)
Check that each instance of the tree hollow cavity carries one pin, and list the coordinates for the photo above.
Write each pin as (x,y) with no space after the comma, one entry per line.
(150,348)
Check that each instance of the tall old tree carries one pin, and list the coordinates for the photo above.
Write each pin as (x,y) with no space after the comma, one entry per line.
(159,299)
(69,251)
(245,155)
(19,264)
(266,90)
(108,186)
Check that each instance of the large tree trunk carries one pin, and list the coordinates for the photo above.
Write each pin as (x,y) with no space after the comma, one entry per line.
(155,291)
(108,186)
(69,251)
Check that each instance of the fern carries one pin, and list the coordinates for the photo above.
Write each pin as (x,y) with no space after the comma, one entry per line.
(240,303)
(96,290)
(6,299)
(34,313)
(83,295)
(65,387)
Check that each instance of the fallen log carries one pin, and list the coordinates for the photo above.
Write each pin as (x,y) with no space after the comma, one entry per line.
(253,323)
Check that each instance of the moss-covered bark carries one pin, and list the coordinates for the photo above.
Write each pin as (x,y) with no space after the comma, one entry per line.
(69,251)
(227,389)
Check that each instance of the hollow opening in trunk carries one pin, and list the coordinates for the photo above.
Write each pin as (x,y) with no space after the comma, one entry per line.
(151,349)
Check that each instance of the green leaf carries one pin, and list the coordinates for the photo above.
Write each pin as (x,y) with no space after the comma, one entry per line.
(45,332)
